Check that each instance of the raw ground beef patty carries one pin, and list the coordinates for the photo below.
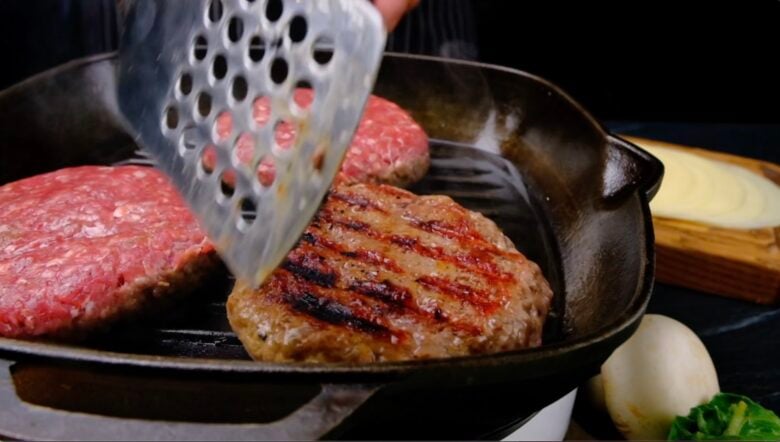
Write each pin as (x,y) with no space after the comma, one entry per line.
(81,246)
(389,147)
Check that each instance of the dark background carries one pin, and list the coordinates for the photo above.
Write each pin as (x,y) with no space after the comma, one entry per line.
(38,34)
(645,60)
(637,60)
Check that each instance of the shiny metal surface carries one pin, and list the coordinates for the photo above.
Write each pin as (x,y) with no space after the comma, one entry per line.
(184,65)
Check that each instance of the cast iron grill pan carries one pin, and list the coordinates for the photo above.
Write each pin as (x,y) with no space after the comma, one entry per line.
(580,211)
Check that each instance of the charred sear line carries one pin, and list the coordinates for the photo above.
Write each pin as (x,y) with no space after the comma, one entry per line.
(357,226)
(356,201)
(311,238)
(472,260)
(476,297)
(374,258)
(369,256)
(462,233)
(458,232)
(393,191)
(332,312)
(404,242)
(308,268)
(384,291)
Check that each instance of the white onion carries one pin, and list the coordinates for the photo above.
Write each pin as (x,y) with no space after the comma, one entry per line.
(661,372)
(711,192)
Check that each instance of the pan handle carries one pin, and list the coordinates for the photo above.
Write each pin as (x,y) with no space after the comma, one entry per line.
(312,421)
(630,168)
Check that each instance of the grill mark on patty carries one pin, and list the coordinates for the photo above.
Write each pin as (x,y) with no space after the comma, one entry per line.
(472,261)
(369,256)
(385,291)
(310,267)
(402,298)
(303,298)
(394,192)
(461,232)
(333,312)
(375,258)
(480,252)
(355,200)
(394,296)
(478,298)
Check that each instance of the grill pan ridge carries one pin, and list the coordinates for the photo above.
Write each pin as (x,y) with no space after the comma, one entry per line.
(507,144)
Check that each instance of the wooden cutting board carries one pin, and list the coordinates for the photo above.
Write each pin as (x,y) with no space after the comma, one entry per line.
(743,264)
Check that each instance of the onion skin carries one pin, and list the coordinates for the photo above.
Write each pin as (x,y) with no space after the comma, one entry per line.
(661,372)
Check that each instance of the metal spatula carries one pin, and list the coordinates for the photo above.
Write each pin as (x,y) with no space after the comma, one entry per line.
(199,78)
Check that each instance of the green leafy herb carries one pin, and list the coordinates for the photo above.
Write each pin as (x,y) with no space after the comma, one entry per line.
(727,417)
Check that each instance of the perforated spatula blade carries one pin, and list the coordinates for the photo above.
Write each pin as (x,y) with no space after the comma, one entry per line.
(249,107)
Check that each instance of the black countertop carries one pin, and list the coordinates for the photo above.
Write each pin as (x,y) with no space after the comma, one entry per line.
(742,338)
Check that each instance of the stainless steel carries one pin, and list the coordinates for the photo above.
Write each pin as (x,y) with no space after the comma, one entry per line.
(183,65)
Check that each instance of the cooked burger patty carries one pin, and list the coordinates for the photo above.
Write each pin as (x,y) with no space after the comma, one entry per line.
(81,246)
(384,275)
(388,147)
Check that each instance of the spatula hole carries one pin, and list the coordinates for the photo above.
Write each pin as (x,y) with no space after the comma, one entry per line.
(189,139)
(185,84)
(223,126)
(235,29)
(323,50)
(298,29)
(284,135)
(261,111)
(274,10)
(227,184)
(303,97)
(303,84)
(244,150)
(240,89)
(279,70)
(215,11)
(256,49)
(200,48)
(208,160)
(220,67)
(204,104)
(266,171)
(172,118)
(248,210)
